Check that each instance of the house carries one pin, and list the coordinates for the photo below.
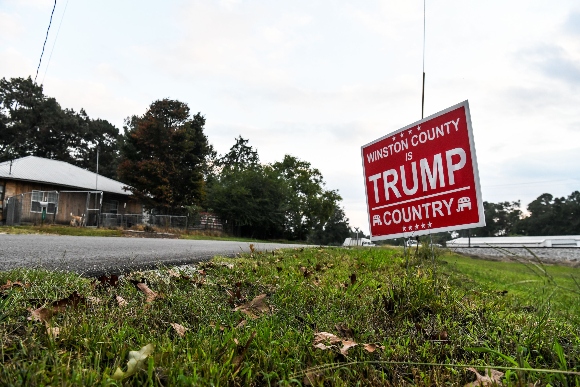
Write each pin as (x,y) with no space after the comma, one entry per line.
(36,190)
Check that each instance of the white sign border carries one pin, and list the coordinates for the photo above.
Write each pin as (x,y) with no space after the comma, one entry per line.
(478,195)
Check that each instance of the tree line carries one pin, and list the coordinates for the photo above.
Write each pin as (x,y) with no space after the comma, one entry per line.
(546,215)
(165,159)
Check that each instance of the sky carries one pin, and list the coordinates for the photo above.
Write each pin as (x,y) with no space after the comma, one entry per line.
(319,79)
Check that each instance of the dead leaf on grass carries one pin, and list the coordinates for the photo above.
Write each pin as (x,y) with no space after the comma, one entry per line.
(121,301)
(239,359)
(241,324)
(113,280)
(254,308)
(352,278)
(9,284)
(325,337)
(346,345)
(135,363)
(252,248)
(373,347)
(150,295)
(180,329)
(491,378)
(173,273)
(45,313)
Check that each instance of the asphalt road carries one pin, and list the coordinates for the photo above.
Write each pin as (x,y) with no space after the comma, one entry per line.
(95,255)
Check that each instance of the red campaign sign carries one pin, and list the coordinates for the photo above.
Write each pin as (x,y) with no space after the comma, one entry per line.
(423,178)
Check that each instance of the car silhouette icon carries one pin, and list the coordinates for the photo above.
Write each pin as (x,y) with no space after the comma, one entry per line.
(463,203)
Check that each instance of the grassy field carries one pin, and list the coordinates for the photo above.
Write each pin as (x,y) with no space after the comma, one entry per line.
(322,317)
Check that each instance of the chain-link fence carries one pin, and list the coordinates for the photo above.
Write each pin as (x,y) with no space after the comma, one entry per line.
(36,207)
(168,221)
(121,220)
(206,221)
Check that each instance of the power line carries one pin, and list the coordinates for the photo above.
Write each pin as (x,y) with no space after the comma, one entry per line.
(423,93)
(45,39)
(54,43)
(528,183)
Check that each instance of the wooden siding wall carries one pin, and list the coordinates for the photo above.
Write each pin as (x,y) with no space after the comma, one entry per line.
(70,202)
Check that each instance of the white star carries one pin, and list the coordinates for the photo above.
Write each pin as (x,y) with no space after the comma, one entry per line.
(416,227)
(429,224)
(404,228)
(402,134)
(394,138)
(410,131)
(419,128)
(422,225)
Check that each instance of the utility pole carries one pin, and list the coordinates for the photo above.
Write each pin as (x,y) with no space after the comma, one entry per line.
(97,175)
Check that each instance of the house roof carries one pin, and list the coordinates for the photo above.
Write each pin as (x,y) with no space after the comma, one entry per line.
(41,170)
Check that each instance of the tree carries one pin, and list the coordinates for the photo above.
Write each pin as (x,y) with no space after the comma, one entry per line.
(99,135)
(32,124)
(309,205)
(552,216)
(247,195)
(334,231)
(500,219)
(251,201)
(240,156)
(164,156)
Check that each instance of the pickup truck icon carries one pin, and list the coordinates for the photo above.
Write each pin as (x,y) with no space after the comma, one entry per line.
(463,203)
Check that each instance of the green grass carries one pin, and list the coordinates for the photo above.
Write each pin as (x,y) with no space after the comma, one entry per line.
(432,322)
(533,285)
(59,230)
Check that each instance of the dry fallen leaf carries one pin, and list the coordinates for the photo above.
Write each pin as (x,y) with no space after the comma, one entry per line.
(252,248)
(46,313)
(135,363)
(254,308)
(9,284)
(173,273)
(237,361)
(105,281)
(121,301)
(241,324)
(325,337)
(180,329)
(150,295)
(346,345)
(491,378)
(372,347)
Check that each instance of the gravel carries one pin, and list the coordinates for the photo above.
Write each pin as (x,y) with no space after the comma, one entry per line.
(552,255)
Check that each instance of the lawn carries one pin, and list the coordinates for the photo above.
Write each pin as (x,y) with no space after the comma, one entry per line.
(314,316)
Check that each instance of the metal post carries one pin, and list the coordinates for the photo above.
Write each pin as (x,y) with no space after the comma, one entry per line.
(97,174)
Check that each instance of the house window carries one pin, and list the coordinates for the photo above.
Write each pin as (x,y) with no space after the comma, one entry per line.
(50,197)
(110,207)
